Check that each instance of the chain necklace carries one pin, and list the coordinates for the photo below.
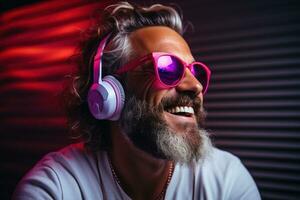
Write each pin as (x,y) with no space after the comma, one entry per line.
(163,192)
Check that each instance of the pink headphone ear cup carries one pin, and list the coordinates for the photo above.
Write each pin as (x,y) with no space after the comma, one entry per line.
(96,96)
(106,100)
(119,96)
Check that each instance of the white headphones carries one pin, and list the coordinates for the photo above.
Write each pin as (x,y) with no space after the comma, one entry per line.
(106,96)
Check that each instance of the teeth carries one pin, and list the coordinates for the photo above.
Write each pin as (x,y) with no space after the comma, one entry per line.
(191,110)
(183,109)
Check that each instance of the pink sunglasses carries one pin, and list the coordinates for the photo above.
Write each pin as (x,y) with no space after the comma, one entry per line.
(169,69)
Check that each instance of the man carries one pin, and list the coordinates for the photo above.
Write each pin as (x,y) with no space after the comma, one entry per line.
(137,102)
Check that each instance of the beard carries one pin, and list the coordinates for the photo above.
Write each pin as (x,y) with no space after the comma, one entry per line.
(147,129)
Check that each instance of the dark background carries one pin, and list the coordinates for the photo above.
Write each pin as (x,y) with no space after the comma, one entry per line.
(252,47)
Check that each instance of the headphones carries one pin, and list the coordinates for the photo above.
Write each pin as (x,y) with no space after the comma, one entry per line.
(106,96)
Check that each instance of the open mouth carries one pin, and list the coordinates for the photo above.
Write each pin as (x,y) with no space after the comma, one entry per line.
(186,111)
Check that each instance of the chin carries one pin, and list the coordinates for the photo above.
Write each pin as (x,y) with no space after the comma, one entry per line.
(192,145)
(164,135)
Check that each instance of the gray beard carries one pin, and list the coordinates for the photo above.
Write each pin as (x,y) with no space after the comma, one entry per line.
(147,130)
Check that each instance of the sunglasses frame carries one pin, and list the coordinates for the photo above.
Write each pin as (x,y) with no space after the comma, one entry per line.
(154,56)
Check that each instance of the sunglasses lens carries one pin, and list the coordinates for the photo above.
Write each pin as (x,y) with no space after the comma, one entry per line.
(201,74)
(170,69)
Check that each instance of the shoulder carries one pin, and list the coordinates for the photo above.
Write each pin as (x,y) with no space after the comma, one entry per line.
(218,165)
(221,164)
(73,154)
(218,156)
(69,153)
(222,172)
(58,174)
(70,158)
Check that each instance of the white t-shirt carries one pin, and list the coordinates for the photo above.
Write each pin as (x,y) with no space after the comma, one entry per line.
(76,173)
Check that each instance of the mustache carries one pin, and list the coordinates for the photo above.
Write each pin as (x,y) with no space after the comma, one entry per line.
(181,100)
(156,112)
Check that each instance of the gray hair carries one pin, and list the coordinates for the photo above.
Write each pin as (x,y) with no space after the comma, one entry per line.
(127,18)
(120,20)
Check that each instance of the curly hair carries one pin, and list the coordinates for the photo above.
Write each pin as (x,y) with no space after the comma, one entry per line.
(119,19)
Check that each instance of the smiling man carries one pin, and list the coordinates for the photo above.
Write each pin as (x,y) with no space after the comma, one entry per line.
(137,102)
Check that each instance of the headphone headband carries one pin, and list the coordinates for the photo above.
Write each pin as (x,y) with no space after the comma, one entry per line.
(98,60)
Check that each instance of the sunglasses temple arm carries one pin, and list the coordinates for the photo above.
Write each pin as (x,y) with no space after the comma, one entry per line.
(208,78)
(133,64)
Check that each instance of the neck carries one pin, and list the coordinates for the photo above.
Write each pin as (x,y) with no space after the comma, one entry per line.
(139,174)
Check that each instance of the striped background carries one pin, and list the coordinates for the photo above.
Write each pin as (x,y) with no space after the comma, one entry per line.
(36,43)
(253,102)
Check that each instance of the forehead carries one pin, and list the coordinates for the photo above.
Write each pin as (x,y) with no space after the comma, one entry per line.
(159,39)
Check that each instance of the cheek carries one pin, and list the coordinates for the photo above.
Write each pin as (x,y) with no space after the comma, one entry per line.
(139,85)
(145,88)
(154,97)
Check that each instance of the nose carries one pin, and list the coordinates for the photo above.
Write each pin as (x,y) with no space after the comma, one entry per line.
(189,84)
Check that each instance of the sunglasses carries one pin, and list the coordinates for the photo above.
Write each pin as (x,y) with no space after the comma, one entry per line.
(170,69)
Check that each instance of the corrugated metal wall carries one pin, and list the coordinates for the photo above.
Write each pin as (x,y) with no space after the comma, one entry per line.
(253,102)
(253,48)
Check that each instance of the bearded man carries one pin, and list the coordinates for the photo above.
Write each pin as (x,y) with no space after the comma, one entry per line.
(137,103)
